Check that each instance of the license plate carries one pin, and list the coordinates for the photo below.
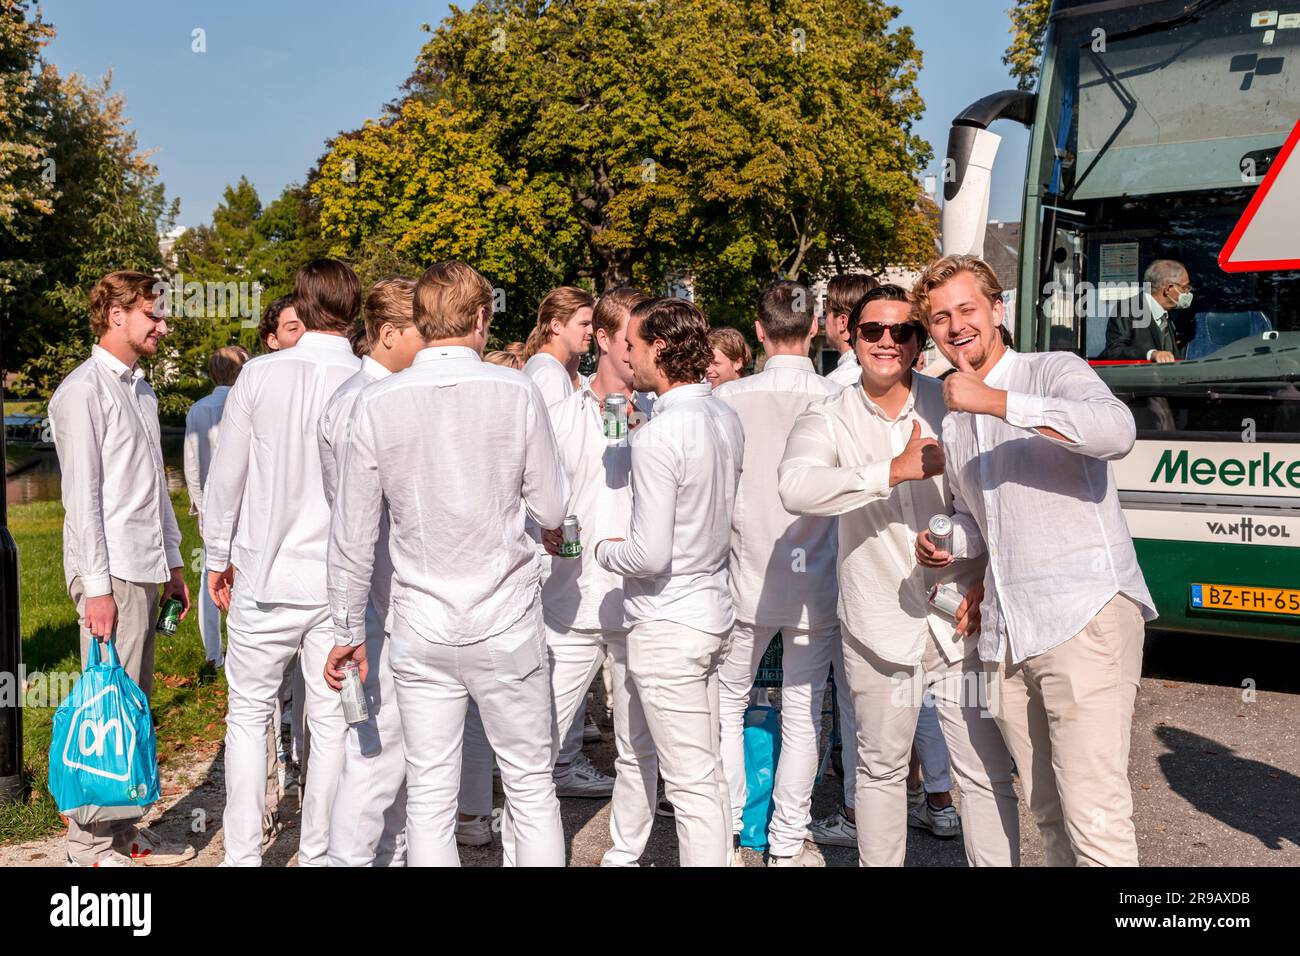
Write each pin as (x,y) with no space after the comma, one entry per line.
(1234,597)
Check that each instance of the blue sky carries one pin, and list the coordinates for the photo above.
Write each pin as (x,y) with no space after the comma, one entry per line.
(280,77)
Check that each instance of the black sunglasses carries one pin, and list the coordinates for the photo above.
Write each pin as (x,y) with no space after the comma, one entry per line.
(901,332)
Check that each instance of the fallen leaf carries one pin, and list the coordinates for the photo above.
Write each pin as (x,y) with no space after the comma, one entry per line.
(1146,786)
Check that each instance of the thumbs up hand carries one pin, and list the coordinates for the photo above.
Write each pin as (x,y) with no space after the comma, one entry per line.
(921,458)
(965,391)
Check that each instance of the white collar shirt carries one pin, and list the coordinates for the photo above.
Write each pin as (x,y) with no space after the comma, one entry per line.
(579,594)
(550,376)
(118,519)
(686,464)
(264,508)
(837,462)
(847,371)
(202,426)
(782,565)
(460,452)
(1046,511)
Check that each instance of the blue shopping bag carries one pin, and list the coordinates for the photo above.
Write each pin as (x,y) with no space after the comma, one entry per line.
(103,755)
(762,751)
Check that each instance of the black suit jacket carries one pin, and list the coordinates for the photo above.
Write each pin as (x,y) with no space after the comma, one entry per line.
(1132,332)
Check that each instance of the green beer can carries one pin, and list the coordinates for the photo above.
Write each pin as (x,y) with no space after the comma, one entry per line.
(169,617)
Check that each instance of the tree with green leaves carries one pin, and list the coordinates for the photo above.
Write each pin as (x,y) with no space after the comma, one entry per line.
(1028,26)
(612,141)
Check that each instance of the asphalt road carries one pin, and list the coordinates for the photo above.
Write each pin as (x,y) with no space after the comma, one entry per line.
(1215,770)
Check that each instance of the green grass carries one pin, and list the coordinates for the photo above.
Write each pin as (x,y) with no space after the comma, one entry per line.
(188,708)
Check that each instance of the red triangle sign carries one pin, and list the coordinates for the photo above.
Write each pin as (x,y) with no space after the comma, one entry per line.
(1266,237)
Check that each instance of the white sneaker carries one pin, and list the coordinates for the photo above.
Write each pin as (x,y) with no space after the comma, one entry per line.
(808,855)
(113,859)
(475,832)
(145,846)
(835,830)
(581,779)
(942,823)
(737,856)
(591,733)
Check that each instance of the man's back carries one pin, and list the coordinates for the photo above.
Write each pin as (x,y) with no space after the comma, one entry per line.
(265,509)
(468,452)
(202,429)
(782,566)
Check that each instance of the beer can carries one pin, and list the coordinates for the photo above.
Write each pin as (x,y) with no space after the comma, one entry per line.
(946,598)
(941,533)
(353,694)
(614,416)
(571,545)
(169,616)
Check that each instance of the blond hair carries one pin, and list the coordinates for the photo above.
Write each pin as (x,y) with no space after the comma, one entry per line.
(124,289)
(509,356)
(732,344)
(447,300)
(390,301)
(560,304)
(942,271)
(224,364)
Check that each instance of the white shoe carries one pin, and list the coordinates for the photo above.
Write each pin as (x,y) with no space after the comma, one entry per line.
(737,856)
(942,823)
(581,779)
(835,830)
(475,832)
(145,846)
(591,733)
(113,859)
(808,855)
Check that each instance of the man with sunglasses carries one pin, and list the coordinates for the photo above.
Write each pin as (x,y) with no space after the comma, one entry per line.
(1141,327)
(869,455)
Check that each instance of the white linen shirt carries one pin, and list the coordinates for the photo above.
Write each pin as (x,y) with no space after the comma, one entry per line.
(685,467)
(837,463)
(579,594)
(202,424)
(550,376)
(782,565)
(1046,511)
(264,508)
(847,371)
(333,433)
(118,519)
(459,450)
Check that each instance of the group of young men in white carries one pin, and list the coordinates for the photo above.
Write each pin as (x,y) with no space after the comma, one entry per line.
(403,511)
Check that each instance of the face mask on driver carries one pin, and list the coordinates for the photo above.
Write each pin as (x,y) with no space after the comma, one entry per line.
(1185,300)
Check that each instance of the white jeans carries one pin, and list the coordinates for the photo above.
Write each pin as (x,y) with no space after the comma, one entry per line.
(505,675)
(209,621)
(368,826)
(575,656)
(806,660)
(887,699)
(674,669)
(936,771)
(262,640)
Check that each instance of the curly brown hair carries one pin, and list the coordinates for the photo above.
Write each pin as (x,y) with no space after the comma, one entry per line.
(684,330)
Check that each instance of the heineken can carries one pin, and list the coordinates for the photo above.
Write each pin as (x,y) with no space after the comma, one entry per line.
(941,533)
(571,546)
(353,694)
(169,616)
(946,598)
(615,417)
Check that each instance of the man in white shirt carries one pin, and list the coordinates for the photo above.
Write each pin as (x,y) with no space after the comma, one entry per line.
(676,593)
(266,526)
(201,431)
(582,603)
(369,815)
(460,452)
(120,537)
(560,338)
(782,579)
(843,292)
(1028,441)
(869,455)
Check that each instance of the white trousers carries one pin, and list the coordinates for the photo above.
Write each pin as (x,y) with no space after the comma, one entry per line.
(887,699)
(575,656)
(674,669)
(209,621)
(476,767)
(806,662)
(936,771)
(262,640)
(368,826)
(571,746)
(505,675)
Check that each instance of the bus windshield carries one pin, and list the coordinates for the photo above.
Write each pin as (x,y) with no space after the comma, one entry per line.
(1156,122)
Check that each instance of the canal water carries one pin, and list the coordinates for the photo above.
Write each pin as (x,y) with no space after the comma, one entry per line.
(39,478)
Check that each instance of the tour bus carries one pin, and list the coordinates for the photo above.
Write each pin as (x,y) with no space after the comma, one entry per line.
(1154,126)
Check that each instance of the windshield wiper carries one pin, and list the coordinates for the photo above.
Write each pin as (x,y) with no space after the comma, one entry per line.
(1191,13)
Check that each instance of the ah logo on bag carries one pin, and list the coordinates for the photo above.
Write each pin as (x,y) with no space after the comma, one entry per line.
(101,730)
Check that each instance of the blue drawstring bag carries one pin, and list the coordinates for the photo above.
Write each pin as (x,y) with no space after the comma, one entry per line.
(762,751)
(103,755)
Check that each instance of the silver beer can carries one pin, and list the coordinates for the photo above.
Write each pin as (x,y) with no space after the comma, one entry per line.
(614,417)
(946,598)
(353,694)
(941,533)
(571,545)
